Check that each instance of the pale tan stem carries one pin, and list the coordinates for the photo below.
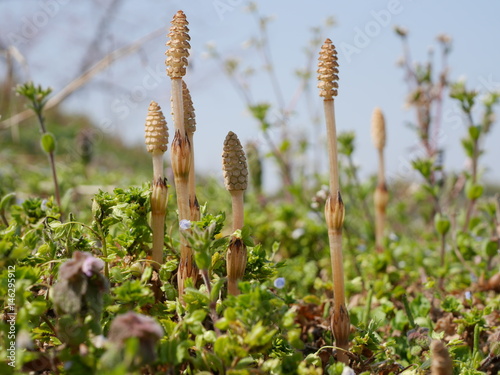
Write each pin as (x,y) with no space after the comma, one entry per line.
(340,317)
(181,159)
(379,229)
(381,167)
(181,185)
(177,105)
(332,144)
(381,199)
(335,238)
(187,266)
(157,164)
(159,198)
(193,201)
(238,210)
(158,227)
(237,252)
(380,195)
(236,264)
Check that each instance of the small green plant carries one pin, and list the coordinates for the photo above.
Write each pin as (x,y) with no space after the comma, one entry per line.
(38,97)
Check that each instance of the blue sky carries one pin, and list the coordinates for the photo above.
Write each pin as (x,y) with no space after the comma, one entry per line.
(368,50)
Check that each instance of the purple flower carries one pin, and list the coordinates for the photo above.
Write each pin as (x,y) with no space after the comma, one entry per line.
(81,262)
(92,265)
(279,282)
(142,327)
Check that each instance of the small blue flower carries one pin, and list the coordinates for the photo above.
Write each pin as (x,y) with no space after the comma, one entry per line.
(279,282)
(185,224)
(43,206)
(468,295)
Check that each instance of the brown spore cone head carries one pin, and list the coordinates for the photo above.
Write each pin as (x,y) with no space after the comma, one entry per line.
(189,115)
(328,70)
(378,129)
(156,134)
(178,43)
(234,164)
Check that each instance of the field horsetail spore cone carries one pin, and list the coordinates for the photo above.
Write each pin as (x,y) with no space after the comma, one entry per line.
(334,208)
(235,169)
(190,126)
(157,143)
(177,62)
(381,196)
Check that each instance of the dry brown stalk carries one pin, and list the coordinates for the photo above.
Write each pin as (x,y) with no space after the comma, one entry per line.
(235,170)
(334,208)
(381,195)
(441,361)
(177,62)
(157,143)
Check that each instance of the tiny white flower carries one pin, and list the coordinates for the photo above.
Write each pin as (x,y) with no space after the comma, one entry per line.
(43,206)
(348,371)
(211,44)
(23,340)
(393,236)
(322,194)
(297,233)
(185,224)
(99,341)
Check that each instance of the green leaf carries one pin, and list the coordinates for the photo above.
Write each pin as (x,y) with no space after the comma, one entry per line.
(473,191)
(475,132)
(259,111)
(48,143)
(490,248)
(442,224)
(6,201)
(424,167)
(468,146)
(451,304)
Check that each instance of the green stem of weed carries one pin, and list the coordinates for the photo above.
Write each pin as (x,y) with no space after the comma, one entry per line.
(104,251)
(406,306)
(477,331)
(41,120)
(368,307)
(442,262)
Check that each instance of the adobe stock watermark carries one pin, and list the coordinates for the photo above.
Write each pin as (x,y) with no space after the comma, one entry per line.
(363,36)
(489,83)
(222,7)
(11,316)
(122,105)
(31,26)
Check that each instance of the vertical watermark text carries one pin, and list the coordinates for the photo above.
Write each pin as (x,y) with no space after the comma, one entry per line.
(11,315)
